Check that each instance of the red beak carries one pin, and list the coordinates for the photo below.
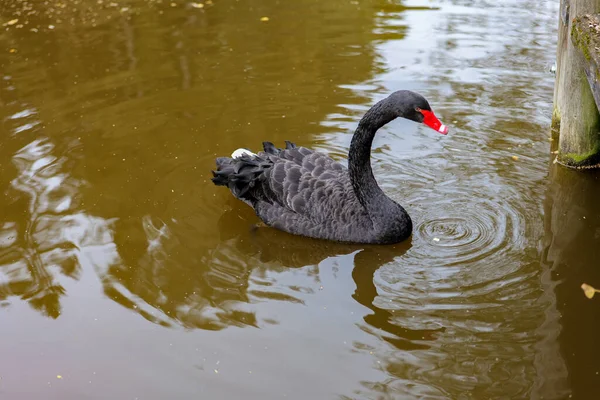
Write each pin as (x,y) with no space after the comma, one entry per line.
(431,121)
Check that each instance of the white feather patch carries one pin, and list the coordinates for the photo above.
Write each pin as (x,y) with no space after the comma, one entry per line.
(240,152)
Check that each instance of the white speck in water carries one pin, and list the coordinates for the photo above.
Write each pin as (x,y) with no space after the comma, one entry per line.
(436,239)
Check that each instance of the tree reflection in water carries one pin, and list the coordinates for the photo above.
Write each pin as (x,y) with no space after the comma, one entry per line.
(52,237)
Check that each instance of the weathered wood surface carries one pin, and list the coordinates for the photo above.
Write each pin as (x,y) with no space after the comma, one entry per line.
(585,34)
(576,115)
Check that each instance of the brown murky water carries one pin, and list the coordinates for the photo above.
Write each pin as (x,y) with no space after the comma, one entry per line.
(125,274)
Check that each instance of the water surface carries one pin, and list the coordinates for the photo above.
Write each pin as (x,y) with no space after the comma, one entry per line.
(124,273)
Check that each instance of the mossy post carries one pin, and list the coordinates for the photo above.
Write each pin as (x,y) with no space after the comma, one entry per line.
(576,115)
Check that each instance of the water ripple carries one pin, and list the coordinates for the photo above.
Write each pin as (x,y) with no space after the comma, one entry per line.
(464,231)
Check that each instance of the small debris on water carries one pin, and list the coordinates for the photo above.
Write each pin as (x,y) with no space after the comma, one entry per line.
(436,239)
(588,290)
(264,19)
(12,22)
(515,158)
(58,376)
(197,5)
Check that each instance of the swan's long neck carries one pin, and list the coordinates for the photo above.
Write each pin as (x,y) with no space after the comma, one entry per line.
(364,184)
(390,220)
(359,164)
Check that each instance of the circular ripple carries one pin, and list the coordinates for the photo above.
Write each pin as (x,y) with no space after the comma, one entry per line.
(468,230)
(455,229)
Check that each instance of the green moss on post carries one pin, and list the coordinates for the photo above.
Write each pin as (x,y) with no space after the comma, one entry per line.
(581,158)
(581,39)
(581,148)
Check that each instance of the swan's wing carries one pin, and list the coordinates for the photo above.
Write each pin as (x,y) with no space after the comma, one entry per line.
(313,161)
(287,220)
(311,190)
(300,201)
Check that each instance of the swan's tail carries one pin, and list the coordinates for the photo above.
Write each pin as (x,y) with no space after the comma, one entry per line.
(244,171)
(240,173)
(225,166)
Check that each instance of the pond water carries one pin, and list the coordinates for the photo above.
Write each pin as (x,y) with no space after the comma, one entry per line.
(126,274)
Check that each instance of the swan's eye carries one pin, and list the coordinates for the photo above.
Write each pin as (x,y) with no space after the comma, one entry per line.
(417,109)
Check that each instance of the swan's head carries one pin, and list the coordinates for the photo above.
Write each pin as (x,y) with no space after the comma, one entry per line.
(413,106)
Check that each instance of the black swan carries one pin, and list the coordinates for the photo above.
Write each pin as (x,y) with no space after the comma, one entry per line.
(304,192)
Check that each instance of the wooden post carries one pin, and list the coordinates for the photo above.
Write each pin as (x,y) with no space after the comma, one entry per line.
(575,114)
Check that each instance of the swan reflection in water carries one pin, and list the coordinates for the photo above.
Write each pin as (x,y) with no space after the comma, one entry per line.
(213,288)
(296,252)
